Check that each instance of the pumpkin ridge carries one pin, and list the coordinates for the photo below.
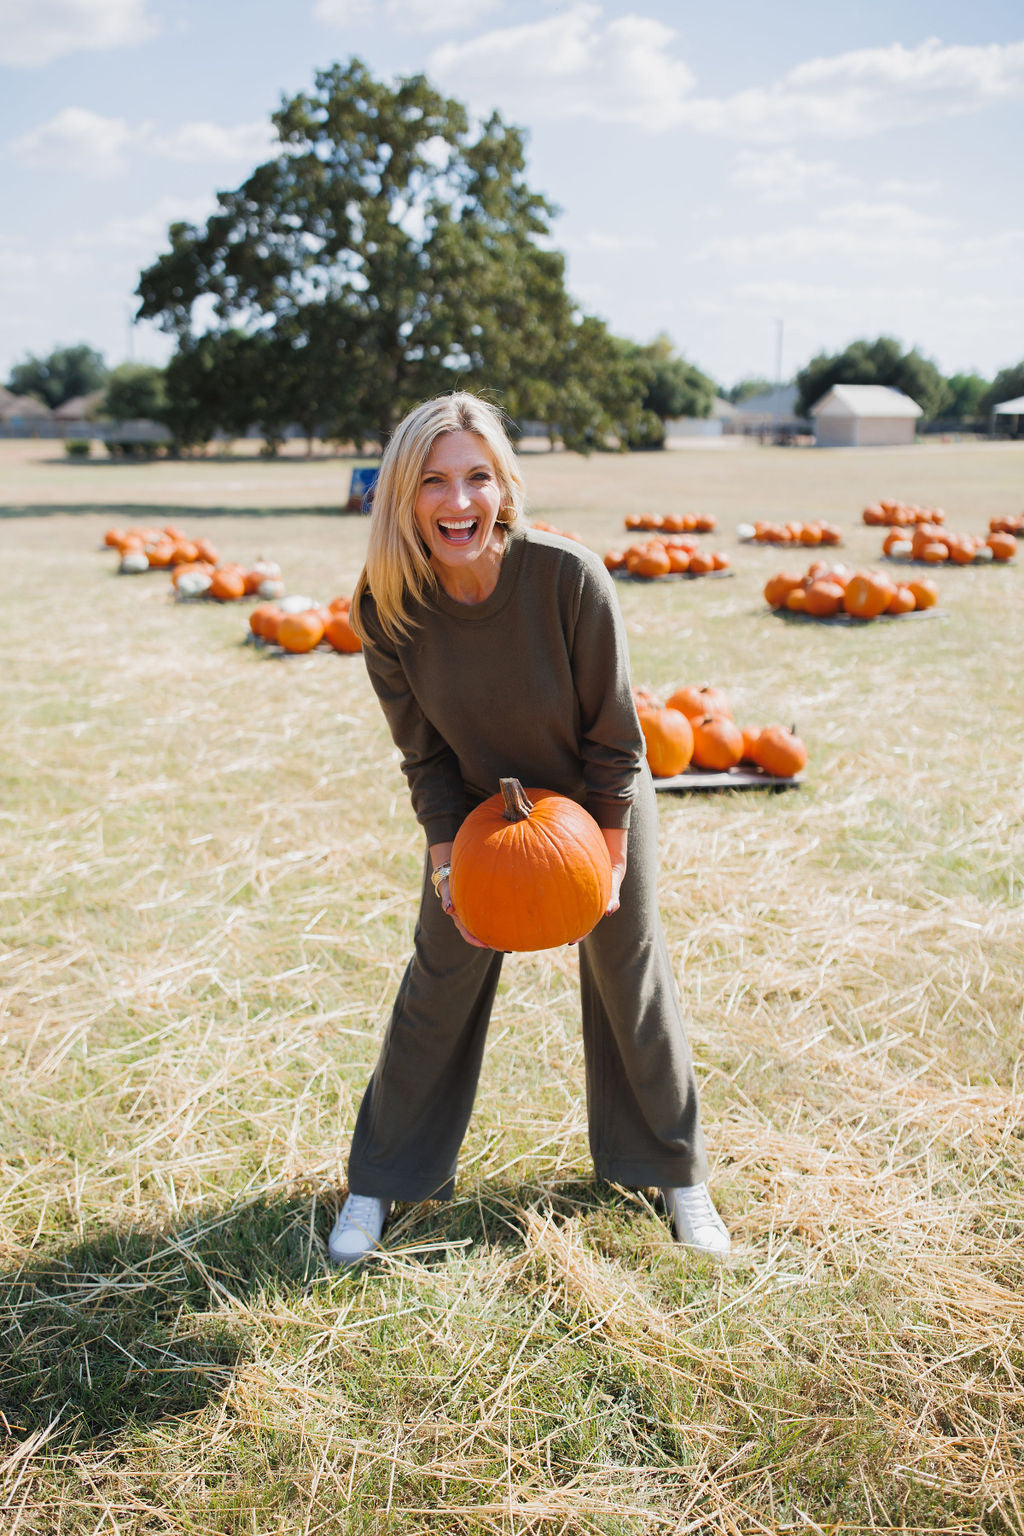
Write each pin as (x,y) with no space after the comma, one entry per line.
(579,846)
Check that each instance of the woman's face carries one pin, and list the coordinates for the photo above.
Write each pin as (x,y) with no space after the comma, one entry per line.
(459,500)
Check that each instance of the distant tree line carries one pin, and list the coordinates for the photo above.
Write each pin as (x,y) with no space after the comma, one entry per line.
(392,250)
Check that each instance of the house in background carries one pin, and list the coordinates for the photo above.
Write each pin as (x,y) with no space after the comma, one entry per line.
(864,416)
(682,429)
(22,414)
(772,413)
(80,411)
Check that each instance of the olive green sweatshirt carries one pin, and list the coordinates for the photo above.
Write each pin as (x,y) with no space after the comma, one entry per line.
(533,683)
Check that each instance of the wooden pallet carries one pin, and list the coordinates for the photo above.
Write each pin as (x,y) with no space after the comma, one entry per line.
(730,778)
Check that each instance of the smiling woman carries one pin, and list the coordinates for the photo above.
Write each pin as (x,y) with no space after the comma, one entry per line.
(454,588)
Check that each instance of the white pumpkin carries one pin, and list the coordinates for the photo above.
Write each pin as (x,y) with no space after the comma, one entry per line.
(900,549)
(745,531)
(296,604)
(192,584)
(268,569)
(135,561)
(983,553)
(270,587)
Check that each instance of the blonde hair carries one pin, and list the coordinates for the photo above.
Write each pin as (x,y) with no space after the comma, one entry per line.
(398,572)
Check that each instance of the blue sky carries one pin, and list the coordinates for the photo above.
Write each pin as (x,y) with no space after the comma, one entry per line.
(719,168)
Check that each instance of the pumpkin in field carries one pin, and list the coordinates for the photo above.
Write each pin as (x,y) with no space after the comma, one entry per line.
(902,601)
(653,562)
(777,588)
(529,870)
(780,752)
(926,593)
(796,600)
(259,616)
(1002,545)
(227,584)
(717,743)
(823,598)
(300,632)
(750,733)
(695,702)
(679,558)
(338,632)
(867,595)
(669,738)
(701,563)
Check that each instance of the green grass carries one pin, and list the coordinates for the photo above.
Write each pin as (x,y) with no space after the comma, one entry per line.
(209,880)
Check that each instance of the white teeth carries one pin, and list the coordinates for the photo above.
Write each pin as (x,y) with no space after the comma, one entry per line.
(457,527)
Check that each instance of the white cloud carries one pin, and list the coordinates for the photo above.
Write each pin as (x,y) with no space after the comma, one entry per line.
(200,143)
(405,15)
(605,242)
(572,65)
(79,140)
(782,175)
(874,233)
(872,90)
(37,31)
(143,233)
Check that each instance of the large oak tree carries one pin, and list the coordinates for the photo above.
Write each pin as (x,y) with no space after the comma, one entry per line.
(390,251)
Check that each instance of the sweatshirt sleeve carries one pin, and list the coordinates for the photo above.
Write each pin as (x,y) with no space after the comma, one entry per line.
(612,744)
(429,764)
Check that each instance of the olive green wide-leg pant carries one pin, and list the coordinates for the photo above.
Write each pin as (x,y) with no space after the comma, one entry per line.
(641,1095)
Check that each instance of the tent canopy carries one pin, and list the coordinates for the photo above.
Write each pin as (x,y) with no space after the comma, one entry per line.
(1011,407)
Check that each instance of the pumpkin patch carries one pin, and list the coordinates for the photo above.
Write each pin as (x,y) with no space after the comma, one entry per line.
(668,556)
(837,594)
(809,535)
(899,514)
(931,544)
(705,743)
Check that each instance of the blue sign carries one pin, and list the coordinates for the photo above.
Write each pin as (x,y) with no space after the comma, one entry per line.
(360,492)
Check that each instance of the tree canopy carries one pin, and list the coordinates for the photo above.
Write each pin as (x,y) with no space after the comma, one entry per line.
(387,253)
(874,362)
(1008,384)
(62,374)
(135,391)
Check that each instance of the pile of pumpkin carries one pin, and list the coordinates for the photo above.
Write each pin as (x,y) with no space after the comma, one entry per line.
(157,549)
(825,591)
(811,534)
(195,565)
(562,534)
(900,514)
(678,522)
(1014,525)
(666,557)
(695,725)
(299,624)
(935,545)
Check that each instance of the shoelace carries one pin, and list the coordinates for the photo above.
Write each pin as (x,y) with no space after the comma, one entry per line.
(363,1212)
(696,1205)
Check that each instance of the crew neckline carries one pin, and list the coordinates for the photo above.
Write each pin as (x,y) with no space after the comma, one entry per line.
(507,574)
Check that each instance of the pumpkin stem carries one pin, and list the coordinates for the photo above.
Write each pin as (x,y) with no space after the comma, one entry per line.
(517,806)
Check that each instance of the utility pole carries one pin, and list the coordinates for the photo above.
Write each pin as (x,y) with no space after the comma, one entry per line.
(131,333)
(777,413)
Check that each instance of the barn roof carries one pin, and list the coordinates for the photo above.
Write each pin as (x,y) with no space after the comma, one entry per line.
(20,407)
(865,400)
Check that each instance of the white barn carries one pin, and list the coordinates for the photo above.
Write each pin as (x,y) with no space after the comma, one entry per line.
(864,416)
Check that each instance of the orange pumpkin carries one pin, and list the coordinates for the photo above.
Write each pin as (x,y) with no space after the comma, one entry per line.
(717,743)
(796,600)
(529,870)
(934,553)
(780,752)
(719,560)
(695,702)
(669,739)
(1002,545)
(300,632)
(750,733)
(902,601)
(653,562)
(926,593)
(259,615)
(227,584)
(823,598)
(777,588)
(867,595)
(338,632)
(700,563)
(678,559)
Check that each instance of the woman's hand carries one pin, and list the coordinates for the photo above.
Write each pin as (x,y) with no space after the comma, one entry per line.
(615,838)
(440,853)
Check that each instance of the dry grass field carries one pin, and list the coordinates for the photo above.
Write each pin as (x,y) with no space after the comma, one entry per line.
(208,883)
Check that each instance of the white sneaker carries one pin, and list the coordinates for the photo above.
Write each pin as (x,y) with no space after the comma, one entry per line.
(697,1224)
(358,1228)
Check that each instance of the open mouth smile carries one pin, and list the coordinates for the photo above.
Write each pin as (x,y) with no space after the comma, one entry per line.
(458,530)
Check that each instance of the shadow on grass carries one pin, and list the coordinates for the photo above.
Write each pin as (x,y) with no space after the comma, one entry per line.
(142,513)
(137,1327)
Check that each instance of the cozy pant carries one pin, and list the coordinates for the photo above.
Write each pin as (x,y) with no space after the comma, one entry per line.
(641,1096)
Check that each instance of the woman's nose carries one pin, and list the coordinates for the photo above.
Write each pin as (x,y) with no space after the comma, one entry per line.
(458,494)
